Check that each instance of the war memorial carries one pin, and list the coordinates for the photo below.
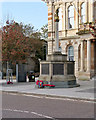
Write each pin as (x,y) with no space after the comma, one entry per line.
(77,38)
(57,70)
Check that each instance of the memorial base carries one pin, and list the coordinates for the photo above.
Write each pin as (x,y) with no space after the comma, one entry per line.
(56,70)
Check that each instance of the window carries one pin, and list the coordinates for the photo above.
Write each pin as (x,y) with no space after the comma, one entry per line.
(83,12)
(60,19)
(70,53)
(94,10)
(71,17)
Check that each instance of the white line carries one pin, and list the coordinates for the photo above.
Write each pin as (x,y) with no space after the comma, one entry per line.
(32,96)
(26,111)
(36,113)
(8,109)
(26,95)
(12,93)
(17,110)
(49,117)
(69,99)
(13,110)
(41,115)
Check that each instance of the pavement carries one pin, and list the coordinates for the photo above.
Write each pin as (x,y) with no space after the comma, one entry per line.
(86,91)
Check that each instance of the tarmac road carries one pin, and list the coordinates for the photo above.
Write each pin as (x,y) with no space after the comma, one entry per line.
(29,106)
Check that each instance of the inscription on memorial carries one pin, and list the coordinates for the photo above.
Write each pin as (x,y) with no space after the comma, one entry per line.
(45,69)
(58,69)
(70,69)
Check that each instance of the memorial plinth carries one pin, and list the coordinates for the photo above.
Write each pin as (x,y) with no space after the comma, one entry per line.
(56,70)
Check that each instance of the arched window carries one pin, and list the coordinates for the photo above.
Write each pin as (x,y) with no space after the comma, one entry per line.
(83,12)
(70,53)
(60,19)
(71,17)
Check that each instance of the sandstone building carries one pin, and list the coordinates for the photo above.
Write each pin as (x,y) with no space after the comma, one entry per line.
(0,50)
(75,38)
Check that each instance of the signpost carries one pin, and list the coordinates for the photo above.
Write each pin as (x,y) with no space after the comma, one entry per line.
(9,78)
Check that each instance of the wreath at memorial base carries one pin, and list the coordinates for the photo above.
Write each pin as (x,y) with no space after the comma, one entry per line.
(40,84)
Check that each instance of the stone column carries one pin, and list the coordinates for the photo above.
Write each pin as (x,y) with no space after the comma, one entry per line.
(82,56)
(92,8)
(87,9)
(56,37)
(88,55)
(65,69)
(40,68)
(50,72)
(17,72)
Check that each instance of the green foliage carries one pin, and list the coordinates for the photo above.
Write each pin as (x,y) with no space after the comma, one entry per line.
(44,31)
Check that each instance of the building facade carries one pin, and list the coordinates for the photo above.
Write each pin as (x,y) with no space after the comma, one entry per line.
(0,54)
(75,38)
(0,50)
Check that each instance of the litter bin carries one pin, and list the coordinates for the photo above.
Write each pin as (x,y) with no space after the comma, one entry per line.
(31,76)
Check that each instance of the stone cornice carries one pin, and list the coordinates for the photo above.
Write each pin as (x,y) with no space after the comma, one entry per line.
(65,38)
(69,37)
(50,1)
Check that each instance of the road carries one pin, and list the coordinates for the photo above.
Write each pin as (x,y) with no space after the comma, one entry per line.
(29,106)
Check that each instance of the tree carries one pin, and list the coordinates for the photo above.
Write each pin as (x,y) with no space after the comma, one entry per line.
(19,42)
(27,29)
(44,36)
(44,32)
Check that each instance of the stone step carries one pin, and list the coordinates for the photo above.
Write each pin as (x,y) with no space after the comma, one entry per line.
(93,78)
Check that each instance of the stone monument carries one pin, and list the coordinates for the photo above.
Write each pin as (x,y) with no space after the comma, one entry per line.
(56,70)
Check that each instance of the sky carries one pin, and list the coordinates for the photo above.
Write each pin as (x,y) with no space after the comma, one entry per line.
(35,13)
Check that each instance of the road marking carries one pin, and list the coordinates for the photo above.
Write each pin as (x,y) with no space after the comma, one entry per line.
(56,98)
(32,96)
(44,116)
(13,110)
(26,111)
(26,95)
(71,99)
(17,110)
(35,113)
